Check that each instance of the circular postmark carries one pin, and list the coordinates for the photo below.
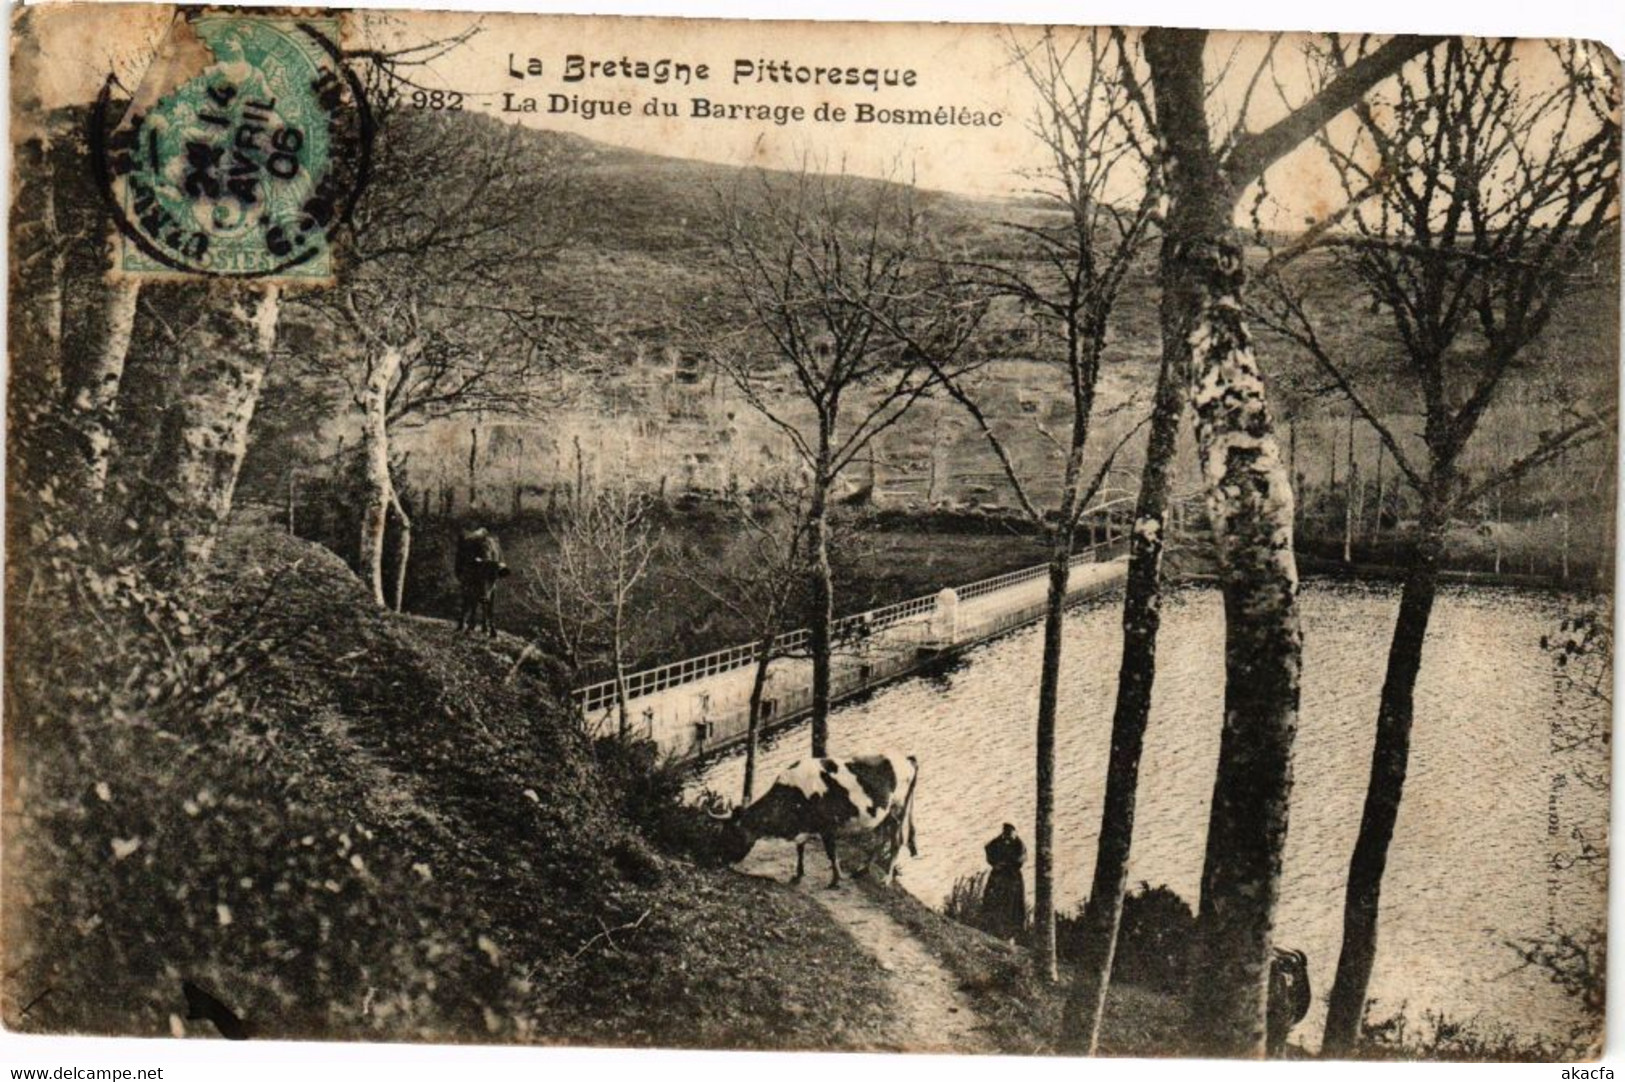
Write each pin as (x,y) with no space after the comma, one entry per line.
(245,146)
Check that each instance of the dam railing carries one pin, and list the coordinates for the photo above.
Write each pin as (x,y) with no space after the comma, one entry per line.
(700,704)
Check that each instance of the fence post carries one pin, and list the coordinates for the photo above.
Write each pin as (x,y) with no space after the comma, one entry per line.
(946,617)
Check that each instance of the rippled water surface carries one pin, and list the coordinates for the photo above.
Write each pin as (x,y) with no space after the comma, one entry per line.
(1489,803)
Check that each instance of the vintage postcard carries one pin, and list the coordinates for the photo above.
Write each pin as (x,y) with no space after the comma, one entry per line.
(809,536)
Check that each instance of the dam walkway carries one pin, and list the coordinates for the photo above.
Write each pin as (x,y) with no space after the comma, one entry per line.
(700,705)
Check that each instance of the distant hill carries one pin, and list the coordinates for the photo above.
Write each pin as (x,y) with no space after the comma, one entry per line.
(645,249)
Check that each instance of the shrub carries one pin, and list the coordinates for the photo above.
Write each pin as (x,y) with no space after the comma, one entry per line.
(964,901)
(1154,940)
(1436,1036)
(647,785)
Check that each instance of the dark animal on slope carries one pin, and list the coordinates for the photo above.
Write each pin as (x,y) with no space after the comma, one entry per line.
(829,799)
(201,1006)
(1289,997)
(479,566)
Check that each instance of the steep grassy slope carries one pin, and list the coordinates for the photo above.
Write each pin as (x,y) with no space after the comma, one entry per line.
(393,833)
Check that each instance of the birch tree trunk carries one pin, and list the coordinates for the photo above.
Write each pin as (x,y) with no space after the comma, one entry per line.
(380,490)
(38,261)
(57,265)
(97,399)
(1390,757)
(1142,618)
(206,433)
(53,299)
(1250,507)
(54,306)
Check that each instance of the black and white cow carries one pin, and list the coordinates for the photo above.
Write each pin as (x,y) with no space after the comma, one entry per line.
(829,799)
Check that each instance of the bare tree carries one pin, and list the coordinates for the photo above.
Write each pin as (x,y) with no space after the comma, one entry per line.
(1250,508)
(761,580)
(223,364)
(1489,195)
(1079,250)
(442,297)
(827,269)
(56,219)
(601,553)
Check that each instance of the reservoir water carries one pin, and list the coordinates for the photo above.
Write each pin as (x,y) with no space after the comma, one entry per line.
(1495,808)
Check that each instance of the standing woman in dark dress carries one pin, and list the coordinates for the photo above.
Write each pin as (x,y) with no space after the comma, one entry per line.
(1004,902)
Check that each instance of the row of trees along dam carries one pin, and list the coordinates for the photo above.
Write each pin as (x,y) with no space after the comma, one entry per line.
(708,406)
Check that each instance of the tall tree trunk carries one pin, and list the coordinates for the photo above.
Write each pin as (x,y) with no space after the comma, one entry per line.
(206,433)
(379,487)
(39,263)
(1390,757)
(823,610)
(1250,507)
(753,725)
(403,546)
(1351,498)
(1142,617)
(54,307)
(1376,519)
(1049,678)
(1500,507)
(96,401)
(53,317)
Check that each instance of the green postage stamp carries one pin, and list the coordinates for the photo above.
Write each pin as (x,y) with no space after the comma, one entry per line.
(238,153)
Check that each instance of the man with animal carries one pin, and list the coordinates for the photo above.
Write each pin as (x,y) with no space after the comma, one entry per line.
(479,566)
(830,799)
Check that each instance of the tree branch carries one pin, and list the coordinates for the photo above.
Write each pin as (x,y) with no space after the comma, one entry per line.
(1254,152)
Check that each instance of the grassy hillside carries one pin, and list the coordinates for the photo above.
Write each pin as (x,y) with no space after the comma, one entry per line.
(388,832)
(645,242)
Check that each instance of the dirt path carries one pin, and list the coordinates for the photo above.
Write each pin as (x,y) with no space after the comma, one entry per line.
(932,1014)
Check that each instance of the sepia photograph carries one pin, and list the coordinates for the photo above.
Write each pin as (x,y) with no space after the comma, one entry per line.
(974,538)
